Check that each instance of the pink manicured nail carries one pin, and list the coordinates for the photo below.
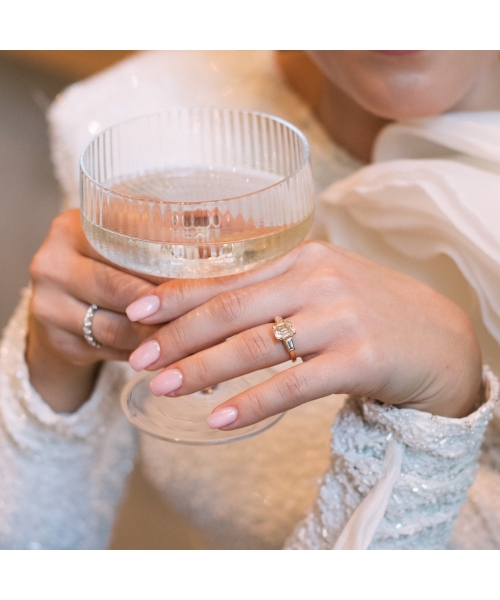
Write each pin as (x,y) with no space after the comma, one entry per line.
(222,417)
(166,382)
(145,355)
(145,307)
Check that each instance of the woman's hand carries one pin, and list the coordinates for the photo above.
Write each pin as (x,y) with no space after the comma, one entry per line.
(67,276)
(362,329)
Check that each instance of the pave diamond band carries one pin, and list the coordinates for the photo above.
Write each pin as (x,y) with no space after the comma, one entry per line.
(283,331)
(87,327)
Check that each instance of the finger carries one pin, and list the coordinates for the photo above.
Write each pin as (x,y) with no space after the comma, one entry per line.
(177,297)
(218,319)
(317,378)
(249,351)
(77,351)
(88,280)
(245,353)
(95,282)
(109,328)
(116,331)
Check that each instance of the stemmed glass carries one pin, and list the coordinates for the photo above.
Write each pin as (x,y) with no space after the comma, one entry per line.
(189,193)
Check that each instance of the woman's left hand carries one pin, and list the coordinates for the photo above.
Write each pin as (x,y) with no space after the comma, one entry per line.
(361,329)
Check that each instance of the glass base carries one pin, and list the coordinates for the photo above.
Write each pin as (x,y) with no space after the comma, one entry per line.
(184,419)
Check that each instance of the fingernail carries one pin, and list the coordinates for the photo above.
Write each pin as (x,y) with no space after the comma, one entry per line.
(166,382)
(222,417)
(145,307)
(145,355)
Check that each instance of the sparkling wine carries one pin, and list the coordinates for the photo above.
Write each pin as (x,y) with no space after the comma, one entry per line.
(153,201)
(165,238)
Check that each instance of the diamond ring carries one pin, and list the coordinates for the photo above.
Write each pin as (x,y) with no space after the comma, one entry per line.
(87,327)
(283,332)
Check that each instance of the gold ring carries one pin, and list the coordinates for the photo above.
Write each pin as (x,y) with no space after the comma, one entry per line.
(283,332)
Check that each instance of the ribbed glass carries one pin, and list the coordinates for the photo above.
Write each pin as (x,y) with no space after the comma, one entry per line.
(196,192)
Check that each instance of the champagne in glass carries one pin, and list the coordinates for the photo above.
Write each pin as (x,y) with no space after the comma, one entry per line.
(189,193)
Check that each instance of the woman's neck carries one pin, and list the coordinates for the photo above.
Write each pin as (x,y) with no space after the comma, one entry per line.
(347,123)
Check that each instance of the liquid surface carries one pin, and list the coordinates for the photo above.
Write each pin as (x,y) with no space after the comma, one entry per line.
(190,240)
(195,185)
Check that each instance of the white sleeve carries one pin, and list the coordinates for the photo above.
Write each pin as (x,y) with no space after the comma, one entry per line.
(438,466)
(61,475)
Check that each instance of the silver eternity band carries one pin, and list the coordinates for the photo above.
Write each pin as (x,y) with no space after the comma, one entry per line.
(283,331)
(87,327)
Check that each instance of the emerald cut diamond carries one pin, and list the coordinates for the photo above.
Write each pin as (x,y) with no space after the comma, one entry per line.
(283,330)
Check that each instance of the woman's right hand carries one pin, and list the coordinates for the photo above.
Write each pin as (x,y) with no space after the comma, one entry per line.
(67,277)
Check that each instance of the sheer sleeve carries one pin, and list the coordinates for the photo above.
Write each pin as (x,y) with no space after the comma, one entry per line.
(438,466)
(61,475)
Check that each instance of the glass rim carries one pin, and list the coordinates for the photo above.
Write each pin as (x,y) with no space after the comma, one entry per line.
(296,130)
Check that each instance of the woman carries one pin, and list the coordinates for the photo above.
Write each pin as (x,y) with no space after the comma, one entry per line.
(362,328)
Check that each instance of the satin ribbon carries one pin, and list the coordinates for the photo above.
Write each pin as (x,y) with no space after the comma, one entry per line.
(361,527)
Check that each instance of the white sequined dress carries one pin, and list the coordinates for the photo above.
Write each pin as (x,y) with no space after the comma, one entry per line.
(62,476)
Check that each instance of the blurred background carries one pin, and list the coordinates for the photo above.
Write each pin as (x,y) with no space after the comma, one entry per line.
(30,196)
(29,200)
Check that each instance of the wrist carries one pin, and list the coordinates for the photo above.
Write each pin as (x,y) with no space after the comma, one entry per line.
(65,387)
(462,400)
(460,391)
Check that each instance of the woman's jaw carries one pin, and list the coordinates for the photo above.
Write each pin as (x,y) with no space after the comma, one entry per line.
(407,84)
(359,92)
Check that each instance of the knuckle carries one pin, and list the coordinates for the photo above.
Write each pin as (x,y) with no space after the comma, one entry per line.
(108,333)
(63,342)
(178,297)
(323,278)
(227,282)
(255,344)
(230,306)
(42,266)
(256,404)
(350,320)
(347,326)
(62,226)
(315,250)
(180,294)
(40,309)
(110,284)
(176,335)
(367,355)
(198,369)
(293,386)
(116,289)
(51,267)
(58,226)
(49,259)
(36,269)
(128,290)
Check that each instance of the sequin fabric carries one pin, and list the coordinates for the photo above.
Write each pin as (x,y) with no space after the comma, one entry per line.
(439,466)
(61,476)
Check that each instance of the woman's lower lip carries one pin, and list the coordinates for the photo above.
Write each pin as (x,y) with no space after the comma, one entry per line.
(398,52)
